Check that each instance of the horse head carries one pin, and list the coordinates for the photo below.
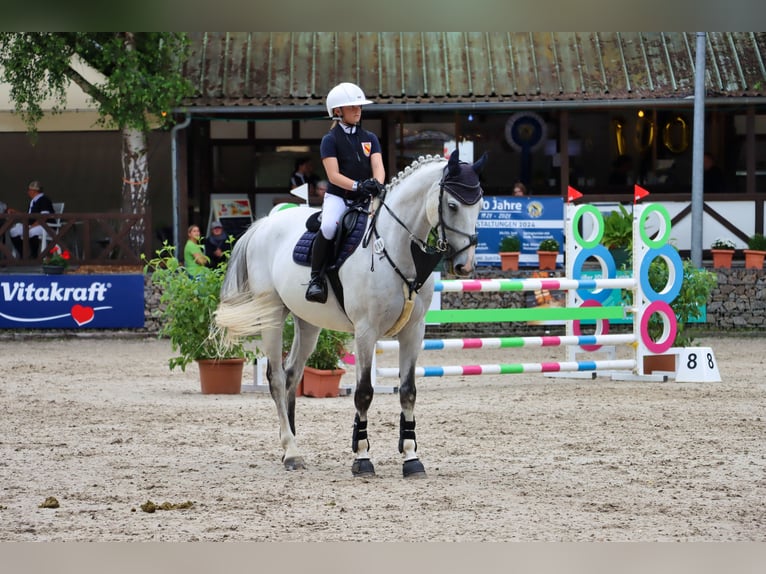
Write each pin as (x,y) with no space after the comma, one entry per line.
(454,213)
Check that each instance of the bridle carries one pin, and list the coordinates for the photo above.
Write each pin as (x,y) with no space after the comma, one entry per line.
(427,252)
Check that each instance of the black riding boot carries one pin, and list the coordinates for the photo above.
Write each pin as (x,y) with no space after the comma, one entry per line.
(317,289)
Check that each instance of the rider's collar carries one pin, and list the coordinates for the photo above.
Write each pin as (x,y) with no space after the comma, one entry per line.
(347,128)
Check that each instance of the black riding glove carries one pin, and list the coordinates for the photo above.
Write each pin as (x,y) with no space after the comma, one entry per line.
(371,187)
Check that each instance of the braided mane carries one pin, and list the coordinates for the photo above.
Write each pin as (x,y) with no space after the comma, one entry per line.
(412,168)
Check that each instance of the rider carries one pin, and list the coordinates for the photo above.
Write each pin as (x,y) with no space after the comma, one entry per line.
(353,162)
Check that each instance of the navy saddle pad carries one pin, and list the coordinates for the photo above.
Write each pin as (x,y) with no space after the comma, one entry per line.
(347,239)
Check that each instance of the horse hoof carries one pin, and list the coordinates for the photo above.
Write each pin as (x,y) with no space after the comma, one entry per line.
(413,469)
(294,463)
(363,467)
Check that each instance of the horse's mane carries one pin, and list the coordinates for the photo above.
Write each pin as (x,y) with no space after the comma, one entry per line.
(413,167)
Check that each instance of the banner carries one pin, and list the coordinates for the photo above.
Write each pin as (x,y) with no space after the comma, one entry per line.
(531,218)
(71,301)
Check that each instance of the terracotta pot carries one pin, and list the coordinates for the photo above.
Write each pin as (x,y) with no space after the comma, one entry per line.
(754,259)
(509,260)
(547,259)
(221,376)
(722,258)
(321,383)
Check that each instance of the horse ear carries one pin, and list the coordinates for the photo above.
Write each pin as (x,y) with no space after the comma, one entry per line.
(479,165)
(453,165)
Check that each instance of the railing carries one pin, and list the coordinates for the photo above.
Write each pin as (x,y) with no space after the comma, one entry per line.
(91,238)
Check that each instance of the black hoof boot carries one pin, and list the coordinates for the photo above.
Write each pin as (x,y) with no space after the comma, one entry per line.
(413,469)
(363,467)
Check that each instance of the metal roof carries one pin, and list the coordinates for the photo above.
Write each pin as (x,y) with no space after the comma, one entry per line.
(299,68)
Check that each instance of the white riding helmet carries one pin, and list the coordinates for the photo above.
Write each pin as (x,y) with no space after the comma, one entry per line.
(345,94)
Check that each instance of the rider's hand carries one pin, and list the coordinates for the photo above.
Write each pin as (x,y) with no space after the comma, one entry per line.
(371,187)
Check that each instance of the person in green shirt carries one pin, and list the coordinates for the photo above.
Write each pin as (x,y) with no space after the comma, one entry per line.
(194,254)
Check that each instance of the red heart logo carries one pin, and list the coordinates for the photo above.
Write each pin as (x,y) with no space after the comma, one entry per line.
(82,315)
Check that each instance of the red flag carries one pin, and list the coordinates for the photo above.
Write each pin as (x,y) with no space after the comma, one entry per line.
(639,193)
(572,194)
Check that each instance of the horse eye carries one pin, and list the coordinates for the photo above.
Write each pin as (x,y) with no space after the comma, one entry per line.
(452,205)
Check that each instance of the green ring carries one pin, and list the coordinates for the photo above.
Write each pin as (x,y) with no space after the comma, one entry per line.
(663,212)
(581,210)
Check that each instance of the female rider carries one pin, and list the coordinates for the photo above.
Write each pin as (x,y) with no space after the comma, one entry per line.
(353,162)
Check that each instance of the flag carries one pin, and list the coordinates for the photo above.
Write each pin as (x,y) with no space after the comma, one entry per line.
(639,193)
(572,194)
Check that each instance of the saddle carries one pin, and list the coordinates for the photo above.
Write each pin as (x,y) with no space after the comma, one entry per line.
(348,236)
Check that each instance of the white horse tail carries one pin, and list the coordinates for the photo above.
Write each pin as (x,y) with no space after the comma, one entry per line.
(242,313)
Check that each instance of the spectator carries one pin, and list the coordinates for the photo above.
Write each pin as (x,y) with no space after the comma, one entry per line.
(194,257)
(216,244)
(38,203)
(519,189)
(302,174)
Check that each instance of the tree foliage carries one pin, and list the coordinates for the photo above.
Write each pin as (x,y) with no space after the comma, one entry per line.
(141,73)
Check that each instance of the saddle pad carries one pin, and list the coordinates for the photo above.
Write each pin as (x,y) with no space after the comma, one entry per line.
(350,241)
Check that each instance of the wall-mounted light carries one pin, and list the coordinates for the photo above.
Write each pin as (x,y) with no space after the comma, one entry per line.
(640,113)
(470,117)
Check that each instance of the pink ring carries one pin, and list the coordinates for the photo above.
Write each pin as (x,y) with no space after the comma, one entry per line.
(669,321)
(602,325)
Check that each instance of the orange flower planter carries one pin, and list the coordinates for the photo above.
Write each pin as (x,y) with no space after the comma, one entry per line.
(722,258)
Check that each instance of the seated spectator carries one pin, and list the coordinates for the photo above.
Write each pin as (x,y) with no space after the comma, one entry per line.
(38,203)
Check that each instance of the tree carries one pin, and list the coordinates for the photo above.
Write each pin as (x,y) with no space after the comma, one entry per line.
(142,81)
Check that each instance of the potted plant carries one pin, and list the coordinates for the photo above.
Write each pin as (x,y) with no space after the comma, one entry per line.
(322,374)
(509,249)
(56,261)
(755,252)
(722,250)
(618,235)
(547,252)
(187,306)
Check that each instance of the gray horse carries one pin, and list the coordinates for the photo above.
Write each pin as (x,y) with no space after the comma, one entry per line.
(427,212)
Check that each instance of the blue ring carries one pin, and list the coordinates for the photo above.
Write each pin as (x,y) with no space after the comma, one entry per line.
(602,253)
(675,269)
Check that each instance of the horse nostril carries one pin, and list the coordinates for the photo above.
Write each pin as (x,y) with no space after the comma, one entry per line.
(460,270)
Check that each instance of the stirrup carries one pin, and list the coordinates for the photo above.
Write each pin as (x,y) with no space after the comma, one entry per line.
(317,291)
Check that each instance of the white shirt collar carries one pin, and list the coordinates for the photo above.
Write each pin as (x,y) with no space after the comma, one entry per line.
(347,128)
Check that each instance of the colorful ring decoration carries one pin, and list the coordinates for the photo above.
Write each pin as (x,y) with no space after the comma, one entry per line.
(664,217)
(675,274)
(608,270)
(669,327)
(602,326)
(598,234)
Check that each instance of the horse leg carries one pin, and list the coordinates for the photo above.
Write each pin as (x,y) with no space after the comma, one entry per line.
(284,400)
(363,394)
(410,341)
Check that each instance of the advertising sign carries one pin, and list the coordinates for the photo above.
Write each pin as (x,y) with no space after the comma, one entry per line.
(531,218)
(233,210)
(71,301)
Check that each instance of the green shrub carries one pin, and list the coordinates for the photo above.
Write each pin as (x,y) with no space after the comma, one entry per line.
(618,230)
(187,307)
(548,244)
(757,242)
(331,346)
(510,243)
